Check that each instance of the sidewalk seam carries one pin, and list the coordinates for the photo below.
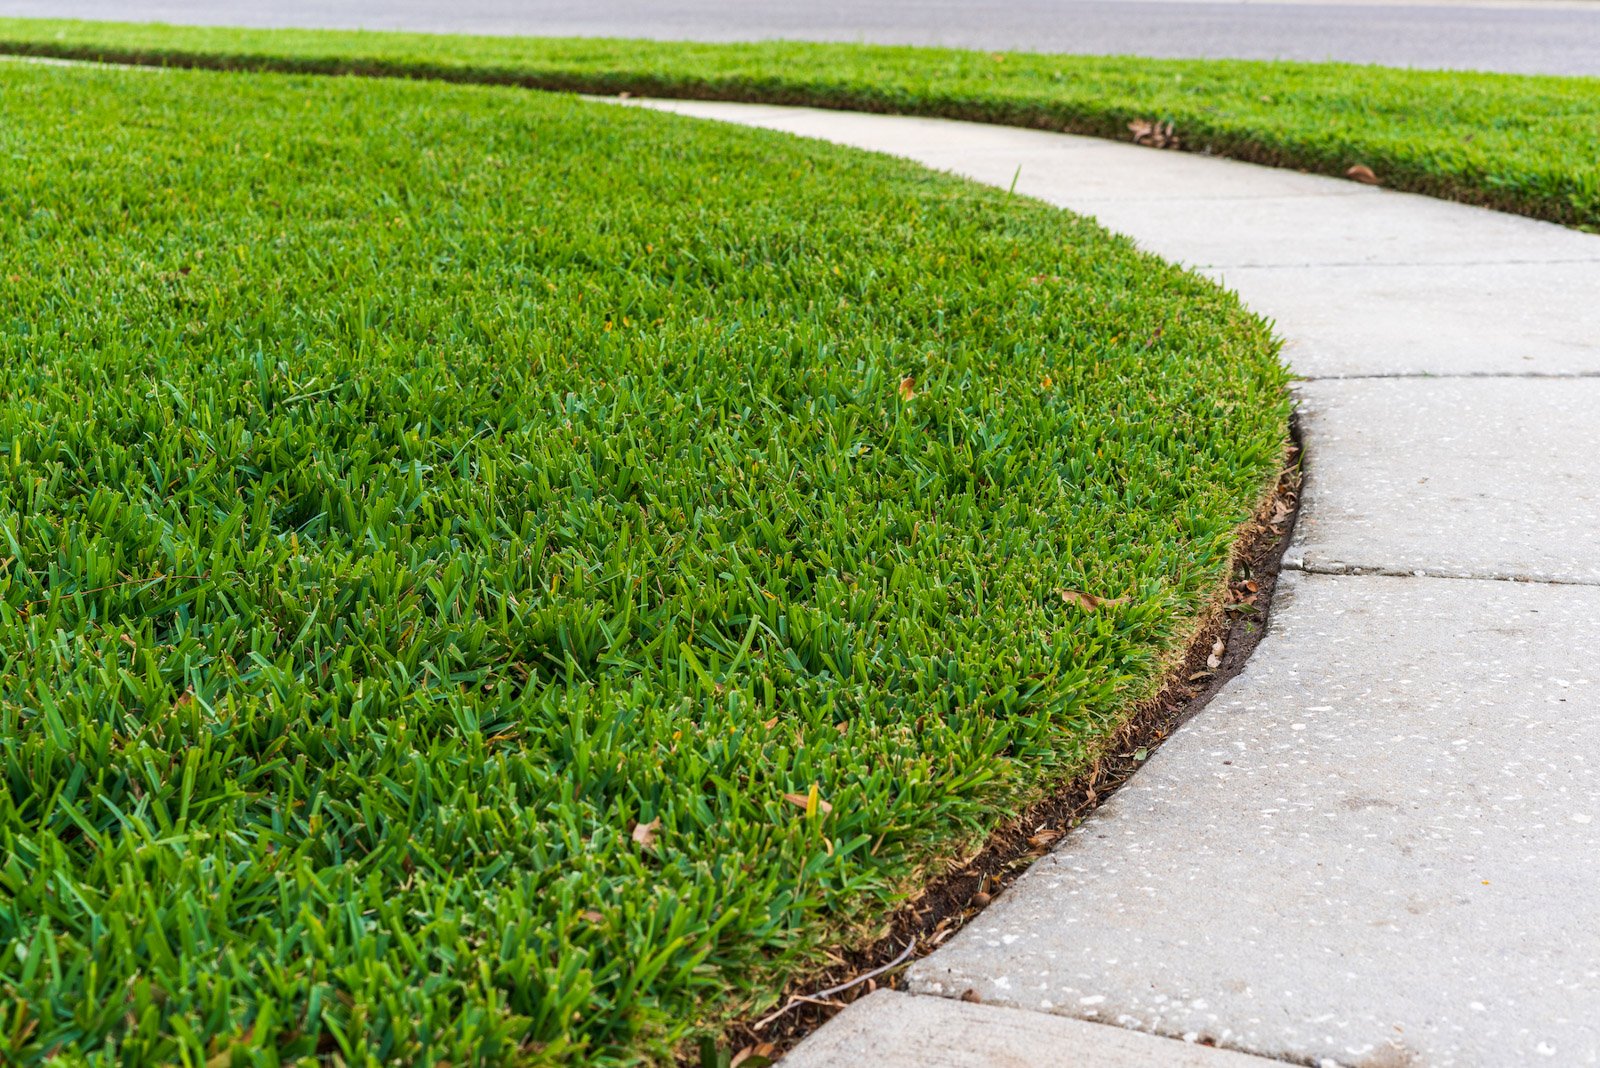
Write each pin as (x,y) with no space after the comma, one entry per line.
(1381,571)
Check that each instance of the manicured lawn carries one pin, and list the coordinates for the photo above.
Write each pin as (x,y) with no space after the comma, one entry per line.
(492,578)
(1519,143)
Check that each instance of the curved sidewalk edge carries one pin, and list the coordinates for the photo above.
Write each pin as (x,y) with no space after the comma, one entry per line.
(888,1029)
(1376,847)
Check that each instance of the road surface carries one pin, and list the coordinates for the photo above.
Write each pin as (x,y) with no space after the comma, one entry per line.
(1525,36)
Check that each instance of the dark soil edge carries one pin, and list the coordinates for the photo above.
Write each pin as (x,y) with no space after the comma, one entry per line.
(1558,206)
(1240,619)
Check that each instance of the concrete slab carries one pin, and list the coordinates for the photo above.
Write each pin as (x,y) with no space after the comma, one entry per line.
(890,1029)
(1508,319)
(1462,477)
(1377,846)
(1393,229)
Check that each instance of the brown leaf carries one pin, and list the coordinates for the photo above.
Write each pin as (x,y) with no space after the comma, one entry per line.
(1153,133)
(592,916)
(812,802)
(760,1053)
(645,833)
(1361,173)
(1043,838)
(908,387)
(1088,601)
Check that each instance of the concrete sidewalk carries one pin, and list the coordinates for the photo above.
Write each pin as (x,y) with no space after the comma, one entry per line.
(1379,845)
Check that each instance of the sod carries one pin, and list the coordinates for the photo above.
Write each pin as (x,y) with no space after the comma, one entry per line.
(1518,143)
(493,578)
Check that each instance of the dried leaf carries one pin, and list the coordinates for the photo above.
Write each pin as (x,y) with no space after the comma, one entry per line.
(1154,133)
(1088,601)
(756,1056)
(645,833)
(908,387)
(1361,173)
(812,802)
(592,916)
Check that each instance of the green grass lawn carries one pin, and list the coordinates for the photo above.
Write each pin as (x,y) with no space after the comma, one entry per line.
(1519,143)
(493,578)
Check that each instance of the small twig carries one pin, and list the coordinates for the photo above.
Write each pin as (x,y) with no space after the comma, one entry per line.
(816,1001)
(821,996)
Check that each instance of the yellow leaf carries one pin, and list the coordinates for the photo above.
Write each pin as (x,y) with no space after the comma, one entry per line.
(812,802)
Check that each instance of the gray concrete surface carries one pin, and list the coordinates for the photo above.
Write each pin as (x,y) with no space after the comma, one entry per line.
(1509,318)
(1377,845)
(1459,477)
(1525,36)
(1347,229)
(888,1029)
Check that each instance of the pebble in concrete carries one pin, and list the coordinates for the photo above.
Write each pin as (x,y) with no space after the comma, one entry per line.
(893,1030)
(1492,478)
(1377,846)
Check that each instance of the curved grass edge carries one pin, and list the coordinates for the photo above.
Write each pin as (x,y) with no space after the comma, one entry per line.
(947,902)
(1514,143)
(1152,680)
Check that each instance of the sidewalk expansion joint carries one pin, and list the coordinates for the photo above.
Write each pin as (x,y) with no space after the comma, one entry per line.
(1445,376)
(1385,265)
(1380,571)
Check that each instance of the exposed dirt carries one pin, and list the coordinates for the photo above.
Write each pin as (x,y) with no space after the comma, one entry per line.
(1239,621)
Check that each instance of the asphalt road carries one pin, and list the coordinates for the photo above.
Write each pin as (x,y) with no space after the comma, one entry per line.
(1530,36)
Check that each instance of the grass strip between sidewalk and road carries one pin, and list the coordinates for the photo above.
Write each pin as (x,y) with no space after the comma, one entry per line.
(488,577)
(1519,143)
